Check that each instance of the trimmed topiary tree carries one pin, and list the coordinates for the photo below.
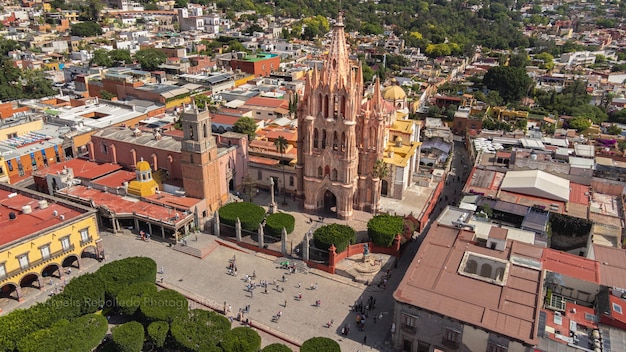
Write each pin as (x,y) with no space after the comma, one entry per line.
(241,339)
(130,298)
(382,229)
(81,334)
(276,347)
(164,305)
(120,274)
(250,215)
(339,235)
(320,344)
(200,330)
(157,332)
(87,292)
(275,223)
(128,337)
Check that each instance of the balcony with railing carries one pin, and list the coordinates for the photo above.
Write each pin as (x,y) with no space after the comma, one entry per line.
(38,263)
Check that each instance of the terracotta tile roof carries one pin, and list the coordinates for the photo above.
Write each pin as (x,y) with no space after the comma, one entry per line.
(82,168)
(267,102)
(498,233)
(127,205)
(612,265)
(261,160)
(27,224)
(116,179)
(571,265)
(433,283)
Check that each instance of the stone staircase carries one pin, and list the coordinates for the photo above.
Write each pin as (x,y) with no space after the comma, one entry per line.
(196,252)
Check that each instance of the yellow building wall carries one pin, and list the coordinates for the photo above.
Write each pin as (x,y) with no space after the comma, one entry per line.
(178,102)
(21,129)
(9,255)
(243,81)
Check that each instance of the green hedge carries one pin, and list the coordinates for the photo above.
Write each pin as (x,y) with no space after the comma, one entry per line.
(382,229)
(250,215)
(164,305)
(128,337)
(320,344)
(339,235)
(241,339)
(157,332)
(86,292)
(200,330)
(81,334)
(120,274)
(130,298)
(275,223)
(276,347)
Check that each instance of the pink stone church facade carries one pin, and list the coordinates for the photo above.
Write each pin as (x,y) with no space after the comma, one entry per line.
(341,135)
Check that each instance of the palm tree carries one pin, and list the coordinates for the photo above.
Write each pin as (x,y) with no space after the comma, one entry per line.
(380,171)
(281,145)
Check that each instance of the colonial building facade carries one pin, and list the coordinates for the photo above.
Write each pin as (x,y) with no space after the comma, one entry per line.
(341,135)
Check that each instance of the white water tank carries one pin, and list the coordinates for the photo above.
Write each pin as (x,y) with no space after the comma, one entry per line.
(43,204)
(27,209)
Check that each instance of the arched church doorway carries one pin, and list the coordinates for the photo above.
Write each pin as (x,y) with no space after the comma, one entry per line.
(330,202)
(384,189)
(231,185)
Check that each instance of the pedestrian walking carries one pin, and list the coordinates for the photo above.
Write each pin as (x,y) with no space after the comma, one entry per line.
(365,340)
(285,303)
(266,289)
(162,271)
(375,318)
(229,308)
(284,278)
(299,284)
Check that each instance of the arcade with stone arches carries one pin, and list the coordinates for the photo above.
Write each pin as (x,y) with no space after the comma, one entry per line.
(41,274)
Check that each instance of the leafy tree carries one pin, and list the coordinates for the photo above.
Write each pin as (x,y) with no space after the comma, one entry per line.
(621,145)
(320,344)
(382,229)
(130,298)
(519,60)
(105,94)
(128,337)
(100,58)
(163,305)
(82,334)
(512,83)
(85,29)
(276,222)
(246,125)
(276,347)
(235,45)
(120,57)
(150,58)
(200,330)
(241,339)
(87,292)
(157,332)
(614,130)
(548,60)
(254,28)
(579,123)
(250,215)
(334,234)
(281,145)
(380,171)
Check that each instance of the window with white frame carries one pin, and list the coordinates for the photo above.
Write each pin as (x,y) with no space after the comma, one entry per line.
(65,243)
(84,235)
(23,260)
(3,270)
(450,337)
(45,251)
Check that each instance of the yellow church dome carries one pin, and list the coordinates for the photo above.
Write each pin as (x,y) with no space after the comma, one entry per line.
(142,166)
(393,92)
